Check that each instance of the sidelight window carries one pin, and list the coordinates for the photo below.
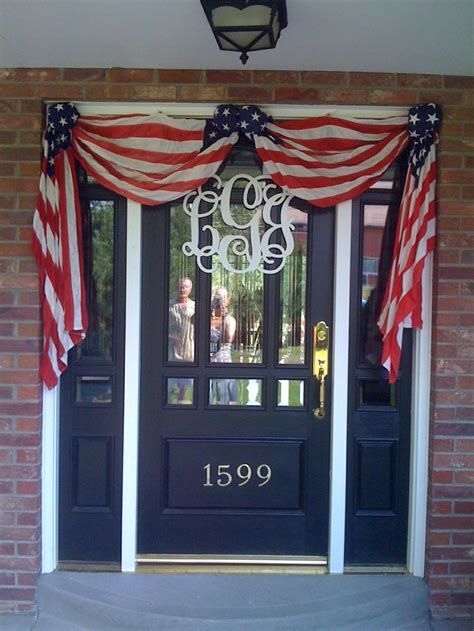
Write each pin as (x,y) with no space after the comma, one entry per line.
(99,239)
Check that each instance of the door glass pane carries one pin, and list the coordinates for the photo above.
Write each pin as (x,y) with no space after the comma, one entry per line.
(180,391)
(235,391)
(236,317)
(293,295)
(181,283)
(86,178)
(377,392)
(93,389)
(388,179)
(99,242)
(377,226)
(236,309)
(290,393)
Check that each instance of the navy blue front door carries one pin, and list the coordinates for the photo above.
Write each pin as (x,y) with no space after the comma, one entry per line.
(233,460)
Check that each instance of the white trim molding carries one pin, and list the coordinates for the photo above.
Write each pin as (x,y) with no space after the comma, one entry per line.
(131,420)
(340,370)
(204,110)
(50,480)
(420,421)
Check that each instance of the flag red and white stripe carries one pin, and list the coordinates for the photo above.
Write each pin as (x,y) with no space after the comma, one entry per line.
(328,160)
(415,239)
(151,159)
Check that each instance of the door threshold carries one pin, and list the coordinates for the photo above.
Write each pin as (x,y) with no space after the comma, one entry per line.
(87,566)
(212,563)
(182,568)
(229,559)
(375,569)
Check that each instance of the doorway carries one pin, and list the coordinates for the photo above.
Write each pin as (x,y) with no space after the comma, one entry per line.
(127,282)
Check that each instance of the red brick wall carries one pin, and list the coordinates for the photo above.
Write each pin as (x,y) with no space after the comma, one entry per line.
(450,549)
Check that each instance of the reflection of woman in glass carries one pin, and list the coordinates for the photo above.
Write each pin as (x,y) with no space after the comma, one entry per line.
(181,324)
(223,329)
(181,339)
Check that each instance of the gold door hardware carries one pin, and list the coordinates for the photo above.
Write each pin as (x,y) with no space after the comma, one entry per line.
(321,363)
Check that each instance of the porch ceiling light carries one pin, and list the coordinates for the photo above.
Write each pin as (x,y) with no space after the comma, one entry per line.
(246,25)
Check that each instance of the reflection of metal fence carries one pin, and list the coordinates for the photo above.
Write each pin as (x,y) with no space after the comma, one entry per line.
(246,290)
(293,303)
(246,391)
(246,306)
(370,265)
(247,354)
(370,272)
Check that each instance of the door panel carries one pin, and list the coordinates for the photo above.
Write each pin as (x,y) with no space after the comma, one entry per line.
(379,413)
(232,459)
(91,402)
(243,481)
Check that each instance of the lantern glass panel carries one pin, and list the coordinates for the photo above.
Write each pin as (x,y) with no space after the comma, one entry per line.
(243,39)
(226,45)
(262,43)
(250,16)
(276,27)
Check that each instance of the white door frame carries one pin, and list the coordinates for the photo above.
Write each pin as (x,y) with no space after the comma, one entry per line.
(420,377)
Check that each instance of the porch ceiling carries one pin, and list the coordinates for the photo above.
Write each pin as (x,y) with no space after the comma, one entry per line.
(421,36)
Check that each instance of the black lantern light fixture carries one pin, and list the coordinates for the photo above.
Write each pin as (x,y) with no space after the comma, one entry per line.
(246,25)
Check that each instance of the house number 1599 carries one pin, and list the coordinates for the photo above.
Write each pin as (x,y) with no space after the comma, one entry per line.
(225,475)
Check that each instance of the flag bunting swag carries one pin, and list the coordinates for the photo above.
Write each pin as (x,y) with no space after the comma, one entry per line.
(154,159)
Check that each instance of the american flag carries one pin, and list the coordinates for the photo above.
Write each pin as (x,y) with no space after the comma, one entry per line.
(57,243)
(154,159)
(415,237)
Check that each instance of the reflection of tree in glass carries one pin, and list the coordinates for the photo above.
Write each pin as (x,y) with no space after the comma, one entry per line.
(245,291)
(102,220)
(181,266)
(179,394)
(292,306)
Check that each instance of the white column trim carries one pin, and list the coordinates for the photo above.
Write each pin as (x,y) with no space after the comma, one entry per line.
(199,110)
(50,480)
(131,405)
(340,368)
(420,421)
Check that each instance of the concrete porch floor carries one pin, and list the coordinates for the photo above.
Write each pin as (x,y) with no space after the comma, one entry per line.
(229,602)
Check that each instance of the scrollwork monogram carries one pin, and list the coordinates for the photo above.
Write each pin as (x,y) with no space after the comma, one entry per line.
(265,251)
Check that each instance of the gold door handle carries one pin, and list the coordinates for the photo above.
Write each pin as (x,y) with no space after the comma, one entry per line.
(321,364)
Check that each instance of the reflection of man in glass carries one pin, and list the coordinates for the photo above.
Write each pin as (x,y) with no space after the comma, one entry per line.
(181,324)
(223,329)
